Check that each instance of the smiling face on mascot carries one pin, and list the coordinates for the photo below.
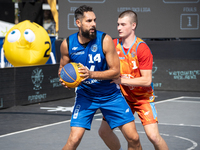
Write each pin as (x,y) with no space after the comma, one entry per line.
(26,44)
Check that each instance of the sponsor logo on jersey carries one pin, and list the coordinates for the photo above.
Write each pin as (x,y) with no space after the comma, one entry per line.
(146,113)
(133,54)
(127,110)
(94,47)
(74,48)
(121,57)
(78,53)
(91,81)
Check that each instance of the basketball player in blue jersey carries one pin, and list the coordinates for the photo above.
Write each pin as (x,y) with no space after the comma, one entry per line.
(96,52)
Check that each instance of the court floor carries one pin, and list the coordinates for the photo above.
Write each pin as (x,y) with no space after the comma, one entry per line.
(46,126)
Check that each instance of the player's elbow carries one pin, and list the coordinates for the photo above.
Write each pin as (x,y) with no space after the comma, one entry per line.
(115,73)
(148,82)
(116,76)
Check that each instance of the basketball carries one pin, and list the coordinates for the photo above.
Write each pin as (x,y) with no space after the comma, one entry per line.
(70,75)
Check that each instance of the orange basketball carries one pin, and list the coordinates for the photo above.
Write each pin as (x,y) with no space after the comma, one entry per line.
(70,75)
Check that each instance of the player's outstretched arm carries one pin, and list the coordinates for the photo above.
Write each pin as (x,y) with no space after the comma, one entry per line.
(144,80)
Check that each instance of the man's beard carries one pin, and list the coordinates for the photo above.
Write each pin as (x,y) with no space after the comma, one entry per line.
(89,35)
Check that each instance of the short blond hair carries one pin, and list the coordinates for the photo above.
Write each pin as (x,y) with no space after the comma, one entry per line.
(131,14)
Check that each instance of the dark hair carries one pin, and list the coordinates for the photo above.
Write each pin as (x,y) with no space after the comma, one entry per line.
(80,11)
(131,14)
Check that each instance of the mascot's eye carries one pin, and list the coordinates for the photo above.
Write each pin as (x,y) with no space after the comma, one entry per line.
(14,35)
(29,35)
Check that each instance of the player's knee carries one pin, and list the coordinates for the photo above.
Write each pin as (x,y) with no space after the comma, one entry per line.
(155,138)
(134,139)
(74,141)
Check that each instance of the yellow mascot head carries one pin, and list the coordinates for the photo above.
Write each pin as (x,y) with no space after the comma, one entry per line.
(26,44)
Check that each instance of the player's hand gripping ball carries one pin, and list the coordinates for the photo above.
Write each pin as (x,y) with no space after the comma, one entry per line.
(70,76)
(27,43)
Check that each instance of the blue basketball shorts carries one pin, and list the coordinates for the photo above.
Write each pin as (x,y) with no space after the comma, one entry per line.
(115,110)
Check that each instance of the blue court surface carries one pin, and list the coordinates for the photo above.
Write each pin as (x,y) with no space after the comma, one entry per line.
(46,126)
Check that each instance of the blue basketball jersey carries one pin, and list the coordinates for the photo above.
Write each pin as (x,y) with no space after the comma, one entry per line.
(94,59)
